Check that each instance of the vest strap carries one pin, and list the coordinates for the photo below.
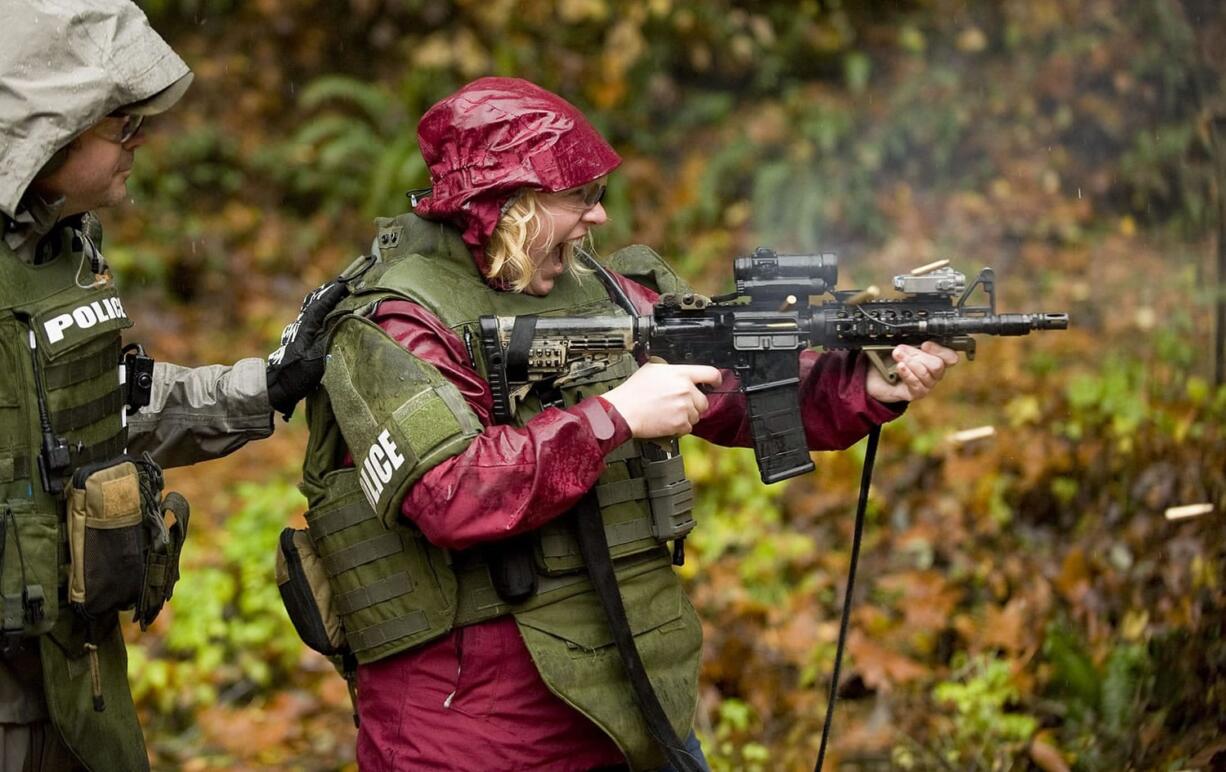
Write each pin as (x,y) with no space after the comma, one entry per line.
(604,581)
(631,530)
(612,493)
(64,374)
(518,347)
(339,519)
(109,448)
(364,597)
(391,630)
(14,468)
(74,418)
(623,452)
(366,551)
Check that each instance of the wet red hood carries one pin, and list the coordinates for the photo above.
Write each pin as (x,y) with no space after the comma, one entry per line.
(495,136)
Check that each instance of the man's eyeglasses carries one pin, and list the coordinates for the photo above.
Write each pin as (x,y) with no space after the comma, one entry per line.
(119,128)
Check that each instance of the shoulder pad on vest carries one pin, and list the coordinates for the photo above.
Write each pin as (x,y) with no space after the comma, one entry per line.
(407,233)
(398,415)
(642,264)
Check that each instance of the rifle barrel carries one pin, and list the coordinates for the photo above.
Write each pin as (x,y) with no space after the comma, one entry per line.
(999,324)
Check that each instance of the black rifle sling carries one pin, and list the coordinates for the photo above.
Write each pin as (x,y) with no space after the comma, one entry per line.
(594,547)
(511,565)
(519,346)
(866,478)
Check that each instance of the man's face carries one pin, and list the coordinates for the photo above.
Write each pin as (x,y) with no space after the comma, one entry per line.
(95,172)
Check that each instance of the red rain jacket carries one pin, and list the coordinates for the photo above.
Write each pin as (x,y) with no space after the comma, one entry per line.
(473,699)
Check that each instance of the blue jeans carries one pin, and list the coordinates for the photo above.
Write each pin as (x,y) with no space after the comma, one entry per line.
(695,749)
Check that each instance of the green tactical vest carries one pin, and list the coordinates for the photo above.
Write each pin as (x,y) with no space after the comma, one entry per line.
(73,331)
(396,590)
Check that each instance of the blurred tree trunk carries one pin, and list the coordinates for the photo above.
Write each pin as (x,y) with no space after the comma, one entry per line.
(1207,20)
(1217,132)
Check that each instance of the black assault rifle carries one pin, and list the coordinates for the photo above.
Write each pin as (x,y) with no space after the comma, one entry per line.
(757,332)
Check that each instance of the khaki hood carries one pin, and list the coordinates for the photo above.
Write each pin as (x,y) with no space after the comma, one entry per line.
(65,65)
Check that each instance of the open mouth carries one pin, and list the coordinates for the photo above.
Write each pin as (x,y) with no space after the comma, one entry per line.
(555,259)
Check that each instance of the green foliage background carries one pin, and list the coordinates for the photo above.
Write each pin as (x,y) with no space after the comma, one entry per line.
(1023,602)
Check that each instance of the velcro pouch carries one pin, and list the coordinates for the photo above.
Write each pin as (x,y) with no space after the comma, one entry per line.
(29,571)
(122,553)
(304,587)
(105,537)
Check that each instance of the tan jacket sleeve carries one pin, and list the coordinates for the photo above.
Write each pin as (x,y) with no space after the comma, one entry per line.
(199,413)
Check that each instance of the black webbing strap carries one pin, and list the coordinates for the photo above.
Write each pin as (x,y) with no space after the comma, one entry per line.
(73,418)
(108,448)
(866,477)
(633,489)
(518,347)
(327,523)
(365,551)
(390,630)
(61,375)
(595,550)
(512,567)
(369,594)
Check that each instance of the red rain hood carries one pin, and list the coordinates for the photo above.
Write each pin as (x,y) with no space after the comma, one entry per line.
(495,136)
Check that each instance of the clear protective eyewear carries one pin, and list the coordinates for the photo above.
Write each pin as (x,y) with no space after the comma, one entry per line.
(588,195)
(123,133)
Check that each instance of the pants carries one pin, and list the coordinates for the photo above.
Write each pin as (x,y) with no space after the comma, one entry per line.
(35,747)
(694,748)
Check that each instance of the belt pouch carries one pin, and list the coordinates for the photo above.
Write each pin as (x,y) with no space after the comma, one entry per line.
(304,587)
(106,539)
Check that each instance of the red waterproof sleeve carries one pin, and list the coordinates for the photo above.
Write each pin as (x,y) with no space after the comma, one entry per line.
(510,479)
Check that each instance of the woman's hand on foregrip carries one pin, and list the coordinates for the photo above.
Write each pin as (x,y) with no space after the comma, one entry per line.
(919,370)
(663,400)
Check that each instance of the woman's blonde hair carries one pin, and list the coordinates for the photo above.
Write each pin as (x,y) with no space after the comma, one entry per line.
(519,227)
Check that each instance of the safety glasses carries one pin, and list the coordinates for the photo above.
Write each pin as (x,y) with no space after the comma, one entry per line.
(119,128)
(589,195)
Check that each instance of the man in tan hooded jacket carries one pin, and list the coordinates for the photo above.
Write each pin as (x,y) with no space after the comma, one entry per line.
(77,79)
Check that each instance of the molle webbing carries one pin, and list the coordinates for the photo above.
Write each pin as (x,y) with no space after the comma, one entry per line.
(60,375)
(76,418)
(382,578)
(377,575)
(393,586)
(366,551)
(14,468)
(409,625)
(339,519)
(608,494)
(109,448)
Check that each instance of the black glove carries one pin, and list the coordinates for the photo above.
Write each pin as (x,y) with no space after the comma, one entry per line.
(295,369)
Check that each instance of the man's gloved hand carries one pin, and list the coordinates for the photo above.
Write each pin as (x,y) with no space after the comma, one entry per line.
(295,369)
